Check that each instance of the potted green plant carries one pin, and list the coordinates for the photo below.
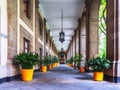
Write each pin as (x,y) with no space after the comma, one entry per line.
(46,61)
(27,61)
(56,61)
(77,60)
(98,64)
(71,62)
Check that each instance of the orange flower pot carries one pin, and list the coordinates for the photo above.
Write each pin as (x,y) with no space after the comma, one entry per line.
(81,69)
(98,76)
(49,66)
(69,65)
(27,74)
(44,68)
(52,65)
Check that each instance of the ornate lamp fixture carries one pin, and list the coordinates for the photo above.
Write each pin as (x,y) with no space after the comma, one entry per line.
(62,34)
(62,49)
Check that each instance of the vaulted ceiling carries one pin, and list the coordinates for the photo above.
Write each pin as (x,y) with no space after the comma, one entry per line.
(51,10)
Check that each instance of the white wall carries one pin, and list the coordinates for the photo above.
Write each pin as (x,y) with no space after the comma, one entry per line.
(3,32)
(3,38)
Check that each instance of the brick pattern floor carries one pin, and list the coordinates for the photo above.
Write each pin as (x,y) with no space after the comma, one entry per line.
(60,78)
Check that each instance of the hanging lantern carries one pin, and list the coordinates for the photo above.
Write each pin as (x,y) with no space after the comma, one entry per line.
(62,49)
(62,36)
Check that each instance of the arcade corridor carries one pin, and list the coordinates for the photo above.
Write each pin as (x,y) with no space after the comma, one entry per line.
(60,78)
(83,36)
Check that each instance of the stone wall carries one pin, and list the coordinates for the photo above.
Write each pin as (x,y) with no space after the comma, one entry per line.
(12,36)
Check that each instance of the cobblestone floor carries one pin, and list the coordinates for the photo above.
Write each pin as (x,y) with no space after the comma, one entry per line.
(60,78)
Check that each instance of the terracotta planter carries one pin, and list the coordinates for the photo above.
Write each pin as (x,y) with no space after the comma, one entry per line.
(44,68)
(98,76)
(69,65)
(49,66)
(27,74)
(81,69)
(52,65)
(75,67)
(72,66)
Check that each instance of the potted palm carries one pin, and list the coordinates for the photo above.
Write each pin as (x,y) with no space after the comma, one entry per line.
(68,62)
(71,62)
(27,61)
(75,58)
(56,61)
(45,63)
(79,59)
(98,64)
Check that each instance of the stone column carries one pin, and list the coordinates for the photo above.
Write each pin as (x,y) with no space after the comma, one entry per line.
(79,27)
(94,28)
(87,14)
(75,39)
(113,40)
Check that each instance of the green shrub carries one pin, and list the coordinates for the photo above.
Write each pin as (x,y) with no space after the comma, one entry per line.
(98,64)
(27,60)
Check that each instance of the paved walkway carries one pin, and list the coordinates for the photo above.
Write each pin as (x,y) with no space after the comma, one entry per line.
(60,78)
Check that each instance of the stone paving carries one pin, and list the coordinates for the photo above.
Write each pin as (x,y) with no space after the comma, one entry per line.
(60,78)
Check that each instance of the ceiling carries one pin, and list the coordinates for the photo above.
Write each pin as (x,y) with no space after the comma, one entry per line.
(51,10)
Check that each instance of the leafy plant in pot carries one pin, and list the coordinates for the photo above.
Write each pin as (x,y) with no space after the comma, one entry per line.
(56,61)
(27,61)
(98,64)
(77,60)
(46,61)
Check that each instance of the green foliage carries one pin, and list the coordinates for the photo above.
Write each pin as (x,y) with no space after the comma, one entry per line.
(46,60)
(98,63)
(77,59)
(102,28)
(49,60)
(27,60)
(70,61)
(55,59)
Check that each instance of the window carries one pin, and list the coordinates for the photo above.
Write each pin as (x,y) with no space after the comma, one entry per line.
(50,43)
(46,53)
(26,45)
(46,37)
(40,52)
(26,8)
(40,28)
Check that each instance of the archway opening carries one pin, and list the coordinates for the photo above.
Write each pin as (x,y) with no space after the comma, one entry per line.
(102,29)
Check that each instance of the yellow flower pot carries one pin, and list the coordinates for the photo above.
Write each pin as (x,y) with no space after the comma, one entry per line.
(27,74)
(54,65)
(98,76)
(44,68)
(57,64)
